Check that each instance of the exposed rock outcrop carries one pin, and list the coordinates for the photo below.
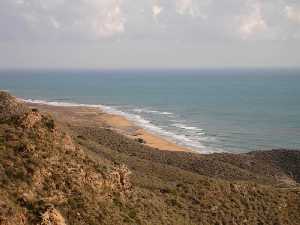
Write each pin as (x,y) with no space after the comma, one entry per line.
(52,217)
(119,179)
(10,106)
(68,143)
(29,119)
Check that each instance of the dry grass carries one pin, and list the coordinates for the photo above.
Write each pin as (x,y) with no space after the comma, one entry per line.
(54,173)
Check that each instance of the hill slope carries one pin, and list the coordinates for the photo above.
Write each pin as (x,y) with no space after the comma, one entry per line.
(56,173)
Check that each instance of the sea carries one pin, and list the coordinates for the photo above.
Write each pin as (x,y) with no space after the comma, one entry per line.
(208,110)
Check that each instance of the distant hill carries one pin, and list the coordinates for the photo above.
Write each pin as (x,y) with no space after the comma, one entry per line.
(53,172)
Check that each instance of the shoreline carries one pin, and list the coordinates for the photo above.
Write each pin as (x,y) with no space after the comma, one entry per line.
(95,115)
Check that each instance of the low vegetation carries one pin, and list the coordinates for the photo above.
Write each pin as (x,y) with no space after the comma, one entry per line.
(56,173)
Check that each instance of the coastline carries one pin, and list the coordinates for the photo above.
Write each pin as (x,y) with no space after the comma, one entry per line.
(95,115)
(65,169)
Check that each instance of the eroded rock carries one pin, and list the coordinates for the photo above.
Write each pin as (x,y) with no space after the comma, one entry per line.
(68,143)
(10,106)
(52,217)
(119,179)
(30,119)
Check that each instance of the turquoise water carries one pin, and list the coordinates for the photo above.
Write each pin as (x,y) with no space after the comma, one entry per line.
(208,110)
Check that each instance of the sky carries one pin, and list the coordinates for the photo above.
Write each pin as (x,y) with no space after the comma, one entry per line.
(149,33)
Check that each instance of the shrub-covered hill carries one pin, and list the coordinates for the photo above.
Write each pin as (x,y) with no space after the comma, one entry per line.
(55,173)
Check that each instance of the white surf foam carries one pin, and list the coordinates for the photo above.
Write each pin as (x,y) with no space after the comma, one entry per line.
(185,127)
(180,139)
(144,110)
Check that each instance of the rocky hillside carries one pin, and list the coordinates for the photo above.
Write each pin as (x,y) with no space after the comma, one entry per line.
(56,173)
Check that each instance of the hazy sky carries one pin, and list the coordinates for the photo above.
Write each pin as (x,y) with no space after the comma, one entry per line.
(149,33)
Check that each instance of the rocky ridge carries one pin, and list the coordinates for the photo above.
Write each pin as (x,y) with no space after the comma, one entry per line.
(55,173)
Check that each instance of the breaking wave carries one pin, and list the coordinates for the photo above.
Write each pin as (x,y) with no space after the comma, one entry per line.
(180,138)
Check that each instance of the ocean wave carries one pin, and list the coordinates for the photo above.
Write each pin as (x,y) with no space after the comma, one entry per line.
(61,99)
(180,139)
(185,127)
(55,103)
(143,110)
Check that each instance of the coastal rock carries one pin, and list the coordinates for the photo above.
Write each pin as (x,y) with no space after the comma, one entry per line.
(52,217)
(10,106)
(68,143)
(30,119)
(119,179)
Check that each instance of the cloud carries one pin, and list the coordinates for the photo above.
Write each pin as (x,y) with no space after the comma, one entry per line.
(156,10)
(185,7)
(293,13)
(104,18)
(90,19)
(254,22)
(179,20)
(20,2)
(192,8)
(55,23)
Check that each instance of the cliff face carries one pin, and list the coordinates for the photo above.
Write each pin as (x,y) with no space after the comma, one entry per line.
(54,173)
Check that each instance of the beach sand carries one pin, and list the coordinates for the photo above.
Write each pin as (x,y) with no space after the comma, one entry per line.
(96,117)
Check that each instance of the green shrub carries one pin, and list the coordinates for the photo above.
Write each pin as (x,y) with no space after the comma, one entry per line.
(50,124)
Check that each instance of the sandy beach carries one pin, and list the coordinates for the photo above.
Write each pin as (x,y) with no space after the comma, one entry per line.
(96,117)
